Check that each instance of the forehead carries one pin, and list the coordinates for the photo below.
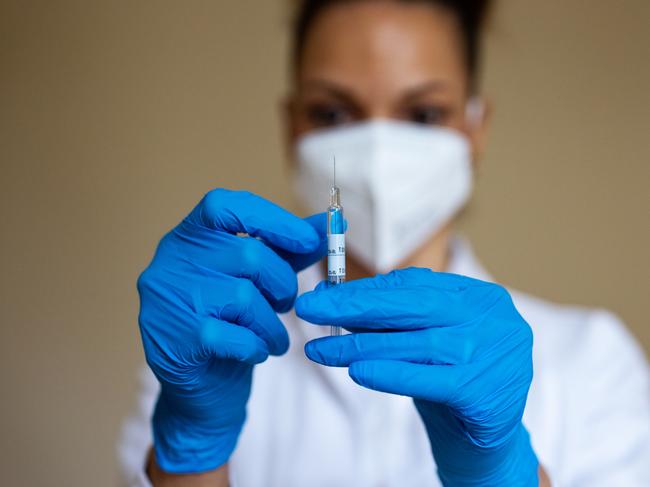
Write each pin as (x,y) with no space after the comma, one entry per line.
(386,43)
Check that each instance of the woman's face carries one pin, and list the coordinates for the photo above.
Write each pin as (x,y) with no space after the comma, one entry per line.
(371,59)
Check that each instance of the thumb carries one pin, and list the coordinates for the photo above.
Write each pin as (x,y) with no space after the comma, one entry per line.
(301,261)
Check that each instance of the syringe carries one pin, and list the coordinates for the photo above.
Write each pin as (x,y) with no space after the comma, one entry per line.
(335,242)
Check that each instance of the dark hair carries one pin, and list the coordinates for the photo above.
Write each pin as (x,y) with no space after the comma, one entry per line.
(471,15)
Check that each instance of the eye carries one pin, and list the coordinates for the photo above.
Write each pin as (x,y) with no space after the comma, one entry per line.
(428,115)
(329,115)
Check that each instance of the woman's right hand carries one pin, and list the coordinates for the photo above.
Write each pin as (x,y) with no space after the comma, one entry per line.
(208,304)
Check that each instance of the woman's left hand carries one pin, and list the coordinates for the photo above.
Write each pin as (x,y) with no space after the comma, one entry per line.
(456,345)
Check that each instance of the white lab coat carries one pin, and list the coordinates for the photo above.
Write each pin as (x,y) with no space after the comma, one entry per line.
(588,411)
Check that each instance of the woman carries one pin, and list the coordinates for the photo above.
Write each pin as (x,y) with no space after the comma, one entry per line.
(389,89)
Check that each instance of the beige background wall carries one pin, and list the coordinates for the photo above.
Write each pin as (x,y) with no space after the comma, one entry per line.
(115,117)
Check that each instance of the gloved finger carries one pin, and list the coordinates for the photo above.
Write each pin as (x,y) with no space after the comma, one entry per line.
(405,307)
(244,212)
(414,277)
(221,339)
(375,309)
(238,301)
(426,346)
(247,258)
(434,383)
(352,329)
(303,260)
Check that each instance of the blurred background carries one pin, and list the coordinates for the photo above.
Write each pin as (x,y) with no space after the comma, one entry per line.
(116,117)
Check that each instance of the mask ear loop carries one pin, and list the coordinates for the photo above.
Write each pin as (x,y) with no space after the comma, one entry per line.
(474,112)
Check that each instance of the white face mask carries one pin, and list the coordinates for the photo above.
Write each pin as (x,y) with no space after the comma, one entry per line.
(400,183)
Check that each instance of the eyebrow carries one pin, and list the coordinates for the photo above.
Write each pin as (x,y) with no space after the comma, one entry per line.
(333,88)
(341,92)
(425,88)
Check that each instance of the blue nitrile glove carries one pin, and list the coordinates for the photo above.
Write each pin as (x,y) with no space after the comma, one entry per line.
(208,313)
(456,345)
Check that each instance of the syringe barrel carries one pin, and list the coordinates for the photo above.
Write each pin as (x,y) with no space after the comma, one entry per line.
(335,245)
(335,239)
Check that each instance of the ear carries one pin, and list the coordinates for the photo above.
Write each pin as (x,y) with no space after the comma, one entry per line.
(478,116)
(289,124)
